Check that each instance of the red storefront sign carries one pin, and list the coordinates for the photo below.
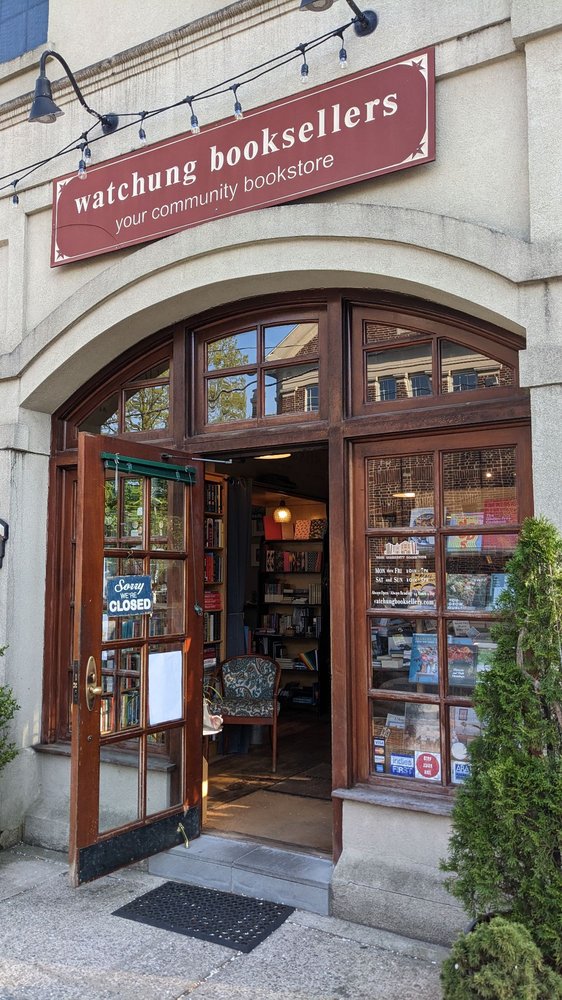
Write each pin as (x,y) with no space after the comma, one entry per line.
(363,125)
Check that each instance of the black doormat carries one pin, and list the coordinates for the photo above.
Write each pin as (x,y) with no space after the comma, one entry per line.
(221,917)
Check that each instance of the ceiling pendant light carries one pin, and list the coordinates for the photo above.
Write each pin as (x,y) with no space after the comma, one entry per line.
(282,514)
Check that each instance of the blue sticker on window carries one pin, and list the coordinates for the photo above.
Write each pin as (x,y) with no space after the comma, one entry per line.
(402,765)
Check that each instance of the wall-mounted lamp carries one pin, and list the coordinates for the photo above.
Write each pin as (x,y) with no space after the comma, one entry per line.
(364,23)
(4,532)
(44,108)
(282,514)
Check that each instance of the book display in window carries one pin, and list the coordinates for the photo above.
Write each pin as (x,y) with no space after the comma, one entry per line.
(214,573)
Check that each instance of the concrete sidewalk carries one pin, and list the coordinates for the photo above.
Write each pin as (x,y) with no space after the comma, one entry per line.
(59,943)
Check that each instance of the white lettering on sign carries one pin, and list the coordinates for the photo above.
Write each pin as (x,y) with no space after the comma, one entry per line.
(132,587)
(273,142)
(129,604)
(136,186)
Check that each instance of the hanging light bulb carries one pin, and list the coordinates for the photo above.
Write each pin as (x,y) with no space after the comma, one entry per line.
(194,122)
(15,196)
(82,173)
(282,514)
(142,133)
(304,67)
(238,112)
(87,155)
(343,53)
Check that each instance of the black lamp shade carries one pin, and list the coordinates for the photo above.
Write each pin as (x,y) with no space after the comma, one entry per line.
(316,4)
(44,108)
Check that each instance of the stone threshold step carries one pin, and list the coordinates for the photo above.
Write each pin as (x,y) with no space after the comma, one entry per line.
(250,869)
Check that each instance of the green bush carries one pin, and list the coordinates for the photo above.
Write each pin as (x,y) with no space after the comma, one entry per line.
(8,708)
(506,845)
(498,961)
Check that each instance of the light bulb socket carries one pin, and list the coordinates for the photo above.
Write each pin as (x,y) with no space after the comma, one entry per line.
(304,73)
(87,153)
(142,136)
(82,172)
(15,200)
(343,58)
(195,127)
(238,113)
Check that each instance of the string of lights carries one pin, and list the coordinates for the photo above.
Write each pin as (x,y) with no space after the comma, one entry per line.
(83,143)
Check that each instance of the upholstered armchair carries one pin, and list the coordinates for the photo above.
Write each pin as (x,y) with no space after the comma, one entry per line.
(250,684)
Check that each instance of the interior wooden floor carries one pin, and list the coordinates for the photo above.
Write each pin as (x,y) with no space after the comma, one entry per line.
(291,807)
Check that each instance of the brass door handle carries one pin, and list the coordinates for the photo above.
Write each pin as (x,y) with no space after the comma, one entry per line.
(93,689)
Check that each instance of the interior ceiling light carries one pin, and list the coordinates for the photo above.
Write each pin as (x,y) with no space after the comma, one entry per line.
(269,458)
(364,22)
(404,496)
(282,514)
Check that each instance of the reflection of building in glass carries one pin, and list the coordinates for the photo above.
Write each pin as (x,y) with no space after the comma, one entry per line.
(405,371)
(292,389)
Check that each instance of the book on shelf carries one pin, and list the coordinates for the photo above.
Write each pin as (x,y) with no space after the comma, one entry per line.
(212,626)
(129,711)
(290,561)
(213,565)
(309,659)
(213,497)
(318,528)
(214,533)
(302,530)
(212,600)
(271,528)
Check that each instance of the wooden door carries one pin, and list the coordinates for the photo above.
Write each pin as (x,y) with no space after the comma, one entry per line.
(137,672)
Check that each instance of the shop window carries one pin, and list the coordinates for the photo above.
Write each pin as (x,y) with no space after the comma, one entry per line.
(393,363)
(23,26)
(464,369)
(268,370)
(140,405)
(441,526)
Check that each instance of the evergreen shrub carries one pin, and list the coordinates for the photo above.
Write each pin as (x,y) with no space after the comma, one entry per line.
(498,961)
(505,850)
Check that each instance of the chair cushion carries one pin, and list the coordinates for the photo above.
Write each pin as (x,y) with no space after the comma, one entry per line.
(248,677)
(254,707)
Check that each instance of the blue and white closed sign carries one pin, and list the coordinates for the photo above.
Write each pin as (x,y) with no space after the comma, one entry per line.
(129,595)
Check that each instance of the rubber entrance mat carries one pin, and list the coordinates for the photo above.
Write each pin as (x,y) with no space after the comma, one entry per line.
(221,917)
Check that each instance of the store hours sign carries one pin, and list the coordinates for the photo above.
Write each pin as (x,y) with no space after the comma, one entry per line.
(363,125)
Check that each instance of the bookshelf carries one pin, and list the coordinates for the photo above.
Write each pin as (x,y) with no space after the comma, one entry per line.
(214,575)
(290,607)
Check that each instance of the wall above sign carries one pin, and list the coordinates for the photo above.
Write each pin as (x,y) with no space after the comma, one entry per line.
(370,123)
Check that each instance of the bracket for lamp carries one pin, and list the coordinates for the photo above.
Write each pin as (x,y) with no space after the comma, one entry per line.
(4,532)
(44,108)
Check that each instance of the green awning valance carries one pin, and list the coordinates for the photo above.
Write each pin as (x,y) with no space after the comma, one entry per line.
(142,467)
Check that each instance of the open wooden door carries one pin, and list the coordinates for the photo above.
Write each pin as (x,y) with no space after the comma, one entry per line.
(137,684)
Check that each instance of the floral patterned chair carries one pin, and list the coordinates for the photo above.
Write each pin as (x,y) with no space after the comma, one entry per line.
(250,684)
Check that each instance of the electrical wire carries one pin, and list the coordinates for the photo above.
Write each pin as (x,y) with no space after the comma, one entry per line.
(141,117)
